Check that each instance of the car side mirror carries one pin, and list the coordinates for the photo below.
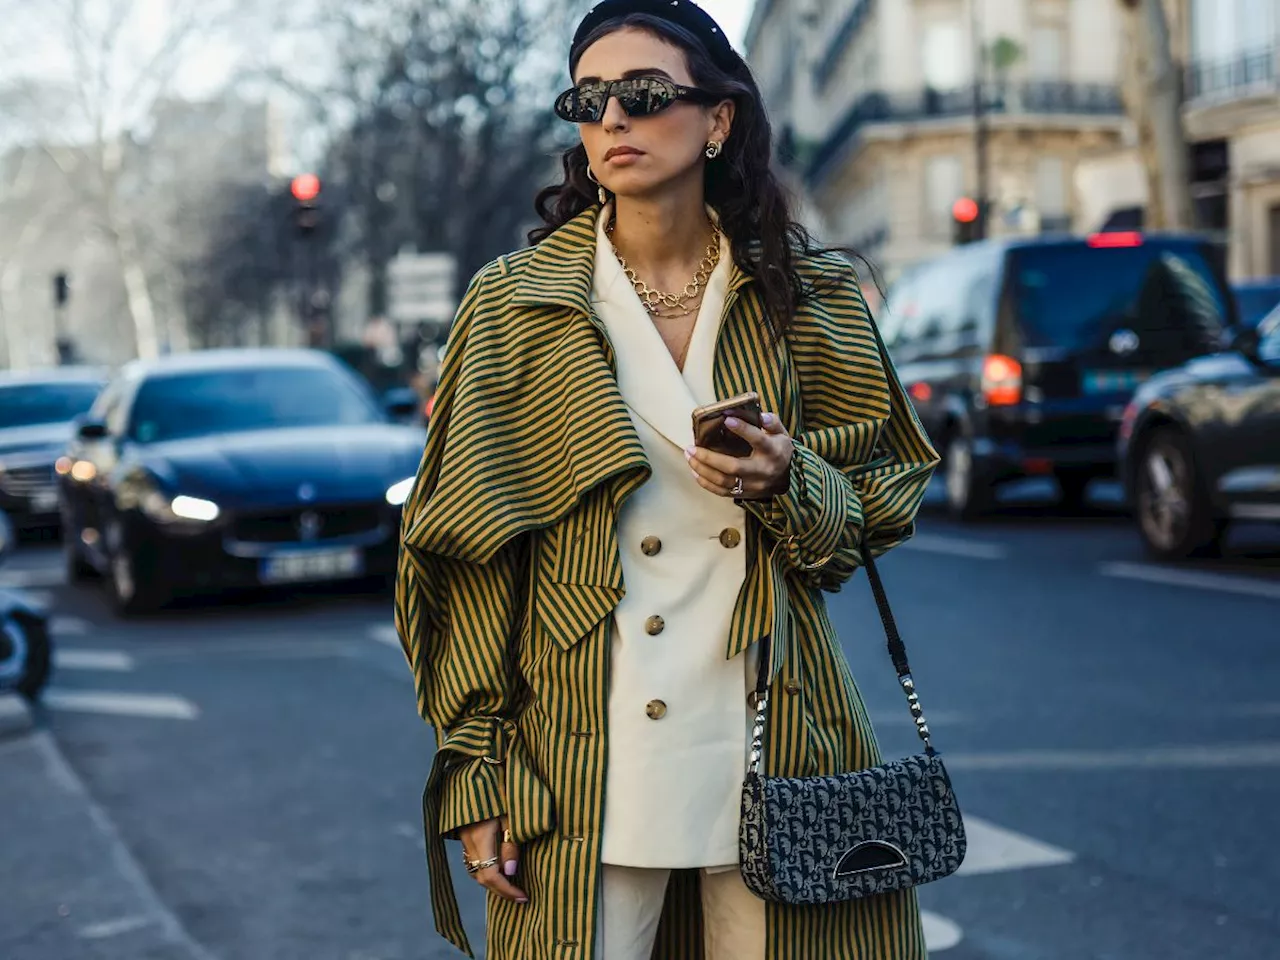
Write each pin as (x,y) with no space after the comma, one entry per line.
(401,404)
(91,430)
(1246,341)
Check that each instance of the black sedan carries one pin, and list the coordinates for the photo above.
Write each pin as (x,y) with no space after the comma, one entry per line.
(234,468)
(37,410)
(1200,446)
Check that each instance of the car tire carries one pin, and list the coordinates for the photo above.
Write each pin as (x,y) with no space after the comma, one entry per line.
(131,594)
(1172,507)
(28,640)
(970,493)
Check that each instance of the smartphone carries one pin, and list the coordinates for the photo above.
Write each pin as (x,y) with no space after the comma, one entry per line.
(710,433)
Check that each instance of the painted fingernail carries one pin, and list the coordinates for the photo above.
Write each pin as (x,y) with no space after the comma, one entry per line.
(766,418)
(731,422)
(509,868)
(688,453)
(522,900)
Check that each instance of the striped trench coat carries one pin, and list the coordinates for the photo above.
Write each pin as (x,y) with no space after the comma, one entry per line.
(509,571)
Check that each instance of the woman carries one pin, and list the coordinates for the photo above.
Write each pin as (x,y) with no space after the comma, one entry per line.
(582,591)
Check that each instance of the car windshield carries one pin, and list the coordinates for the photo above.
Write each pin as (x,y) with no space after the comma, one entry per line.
(1077,296)
(29,404)
(202,403)
(1269,337)
(1254,303)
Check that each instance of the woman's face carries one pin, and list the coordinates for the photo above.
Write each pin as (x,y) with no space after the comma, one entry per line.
(639,156)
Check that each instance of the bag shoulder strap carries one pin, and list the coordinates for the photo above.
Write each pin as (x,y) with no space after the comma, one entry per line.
(897,653)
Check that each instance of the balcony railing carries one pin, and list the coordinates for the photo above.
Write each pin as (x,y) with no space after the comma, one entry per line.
(841,41)
(1238,77)
(1010,99)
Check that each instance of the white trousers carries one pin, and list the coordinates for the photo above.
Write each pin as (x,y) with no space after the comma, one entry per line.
(733,921)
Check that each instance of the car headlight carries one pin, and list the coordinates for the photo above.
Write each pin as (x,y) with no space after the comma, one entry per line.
(398,493)
(162,509)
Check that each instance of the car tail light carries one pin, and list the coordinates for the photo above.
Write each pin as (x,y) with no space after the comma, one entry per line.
(921,392)
(1121,238)
(1001,380)
(431,405)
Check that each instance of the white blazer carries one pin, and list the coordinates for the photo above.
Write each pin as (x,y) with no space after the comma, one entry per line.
(678,717)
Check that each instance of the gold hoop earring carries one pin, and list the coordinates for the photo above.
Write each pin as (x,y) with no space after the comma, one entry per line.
(601,192)
(713,149)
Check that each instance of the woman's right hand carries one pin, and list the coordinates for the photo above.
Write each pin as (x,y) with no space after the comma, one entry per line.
(484,841)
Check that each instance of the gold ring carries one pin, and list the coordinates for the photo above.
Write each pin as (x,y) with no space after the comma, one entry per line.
(506,836)
(475,866)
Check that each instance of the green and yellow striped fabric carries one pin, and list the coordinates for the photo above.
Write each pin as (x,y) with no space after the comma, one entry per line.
(510,569)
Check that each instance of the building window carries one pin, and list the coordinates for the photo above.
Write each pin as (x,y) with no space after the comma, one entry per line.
(1227,29)
(944,54)
(943,186)
(1047,52)
(1051,194)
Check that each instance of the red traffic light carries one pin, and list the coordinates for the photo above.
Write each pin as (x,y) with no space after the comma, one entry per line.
(965,210)
(305,187)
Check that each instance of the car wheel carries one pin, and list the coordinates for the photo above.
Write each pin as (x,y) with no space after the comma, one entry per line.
(969,493)
(25,655)
(1174,515)
(132,594)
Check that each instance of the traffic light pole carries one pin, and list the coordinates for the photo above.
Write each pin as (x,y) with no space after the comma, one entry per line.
(980,129)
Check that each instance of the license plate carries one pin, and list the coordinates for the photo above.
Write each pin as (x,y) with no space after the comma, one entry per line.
(44,501)
(1113,381)
(297,566)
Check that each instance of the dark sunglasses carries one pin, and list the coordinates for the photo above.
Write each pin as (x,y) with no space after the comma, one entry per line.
(639,97)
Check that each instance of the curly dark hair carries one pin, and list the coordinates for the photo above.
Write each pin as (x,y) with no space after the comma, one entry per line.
(754,208)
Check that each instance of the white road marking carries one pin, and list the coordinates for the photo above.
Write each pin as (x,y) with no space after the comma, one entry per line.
(114,928)
(1255,710)
(150,705)
(114,660)
(955,547)
(15,715)
(127,868)
(1196,757)
(1196,579)
(36,577)
(69,626)
(386,633)
(994,849)
(939,932)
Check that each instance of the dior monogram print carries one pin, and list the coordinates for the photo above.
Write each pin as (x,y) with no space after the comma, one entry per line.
(815,840)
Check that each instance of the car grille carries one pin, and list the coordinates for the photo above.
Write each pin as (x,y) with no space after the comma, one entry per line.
(27,481)
(307,524)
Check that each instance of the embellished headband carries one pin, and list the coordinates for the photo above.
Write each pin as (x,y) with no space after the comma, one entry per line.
(682,13)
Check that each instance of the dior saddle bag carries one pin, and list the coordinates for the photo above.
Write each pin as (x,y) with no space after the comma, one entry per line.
(815,840)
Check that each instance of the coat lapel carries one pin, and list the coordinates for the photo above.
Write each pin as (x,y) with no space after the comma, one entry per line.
(647,376)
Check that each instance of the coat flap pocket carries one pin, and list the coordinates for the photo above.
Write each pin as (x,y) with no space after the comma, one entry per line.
(568,611)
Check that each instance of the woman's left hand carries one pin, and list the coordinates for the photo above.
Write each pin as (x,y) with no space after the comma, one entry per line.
(764,474)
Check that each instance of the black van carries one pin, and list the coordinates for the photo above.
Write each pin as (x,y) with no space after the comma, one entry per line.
(1021,354)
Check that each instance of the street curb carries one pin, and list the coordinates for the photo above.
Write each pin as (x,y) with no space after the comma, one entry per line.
(16,716)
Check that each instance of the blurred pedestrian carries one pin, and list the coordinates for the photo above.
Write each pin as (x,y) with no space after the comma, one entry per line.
(582,591)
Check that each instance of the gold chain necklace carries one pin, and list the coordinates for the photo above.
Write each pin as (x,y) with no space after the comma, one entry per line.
(655,300)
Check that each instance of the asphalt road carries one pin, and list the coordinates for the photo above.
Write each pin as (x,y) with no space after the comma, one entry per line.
(242,782)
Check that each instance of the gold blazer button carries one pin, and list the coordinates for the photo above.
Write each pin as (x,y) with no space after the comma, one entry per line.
(730,538)
(650,546)
(654,626)
(792,686)
(655,709)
